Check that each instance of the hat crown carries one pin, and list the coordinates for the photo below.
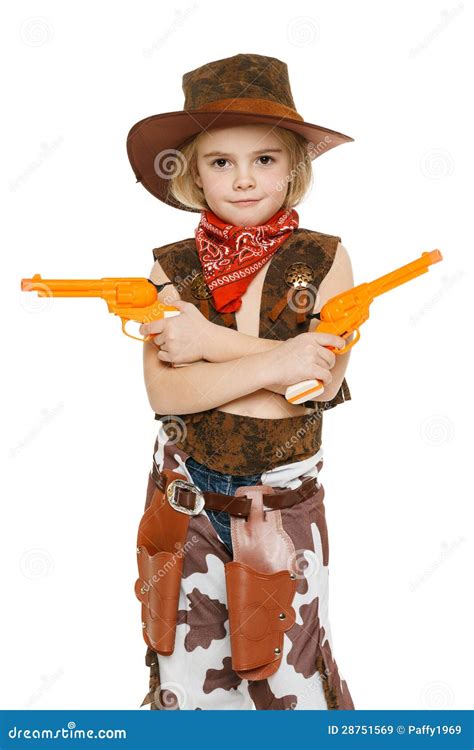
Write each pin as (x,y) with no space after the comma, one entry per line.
(243,76)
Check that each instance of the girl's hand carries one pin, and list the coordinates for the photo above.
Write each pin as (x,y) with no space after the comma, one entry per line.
(304,357)
(181,338)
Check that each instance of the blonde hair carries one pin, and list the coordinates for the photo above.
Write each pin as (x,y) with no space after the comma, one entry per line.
(299,180)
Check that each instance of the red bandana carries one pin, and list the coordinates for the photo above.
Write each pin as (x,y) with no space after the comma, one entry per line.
(231,255)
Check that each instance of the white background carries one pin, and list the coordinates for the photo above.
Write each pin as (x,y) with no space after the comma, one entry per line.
(78,431)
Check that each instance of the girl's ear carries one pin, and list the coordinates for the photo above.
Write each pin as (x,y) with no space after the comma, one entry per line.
(198,181)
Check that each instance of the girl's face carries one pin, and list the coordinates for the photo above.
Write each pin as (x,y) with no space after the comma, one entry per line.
(243,163)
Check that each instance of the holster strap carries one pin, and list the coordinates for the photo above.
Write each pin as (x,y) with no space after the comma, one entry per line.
(239,505)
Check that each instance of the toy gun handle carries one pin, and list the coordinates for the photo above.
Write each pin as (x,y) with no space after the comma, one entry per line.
(310,389)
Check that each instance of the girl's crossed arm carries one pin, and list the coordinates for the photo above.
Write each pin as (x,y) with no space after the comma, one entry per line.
(236,364)
(226,344)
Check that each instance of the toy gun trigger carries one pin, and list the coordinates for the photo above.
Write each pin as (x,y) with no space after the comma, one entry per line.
(124,323)
(349,345)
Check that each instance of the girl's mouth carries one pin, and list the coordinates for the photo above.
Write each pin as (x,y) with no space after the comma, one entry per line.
(245,203)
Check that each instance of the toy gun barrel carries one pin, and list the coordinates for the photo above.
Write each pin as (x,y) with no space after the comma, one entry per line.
(63,287)
(404,273)
(137,292)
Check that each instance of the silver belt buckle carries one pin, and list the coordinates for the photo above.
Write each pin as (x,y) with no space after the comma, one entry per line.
(170,495)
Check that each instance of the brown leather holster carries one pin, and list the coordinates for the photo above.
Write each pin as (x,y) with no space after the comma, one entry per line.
(261,585)
(260,581)
(160,556)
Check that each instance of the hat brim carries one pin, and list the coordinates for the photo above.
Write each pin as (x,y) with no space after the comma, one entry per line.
(153,143)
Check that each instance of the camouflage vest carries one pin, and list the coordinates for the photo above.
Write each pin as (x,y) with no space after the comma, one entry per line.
(241,445)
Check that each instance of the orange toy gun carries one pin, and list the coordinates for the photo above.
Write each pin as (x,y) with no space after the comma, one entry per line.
(137,299)
(344,313)
(129,298)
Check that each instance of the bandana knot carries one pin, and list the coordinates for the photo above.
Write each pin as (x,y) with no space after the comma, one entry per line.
(231,255)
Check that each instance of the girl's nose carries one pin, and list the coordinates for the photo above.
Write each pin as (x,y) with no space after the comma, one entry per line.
(244,181)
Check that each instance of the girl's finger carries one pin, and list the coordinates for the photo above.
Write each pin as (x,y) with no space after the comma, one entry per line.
(328,356)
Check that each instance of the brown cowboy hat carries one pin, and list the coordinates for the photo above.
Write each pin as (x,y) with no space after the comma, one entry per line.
(240,90)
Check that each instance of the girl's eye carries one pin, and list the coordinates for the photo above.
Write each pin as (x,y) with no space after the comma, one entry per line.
(260,157)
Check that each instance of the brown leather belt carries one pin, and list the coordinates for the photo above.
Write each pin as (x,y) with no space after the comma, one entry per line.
(186,496)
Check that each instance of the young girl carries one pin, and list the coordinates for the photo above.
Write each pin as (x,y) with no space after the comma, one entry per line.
(234,512)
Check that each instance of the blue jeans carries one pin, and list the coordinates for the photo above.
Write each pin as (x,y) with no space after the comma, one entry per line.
(208,480)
